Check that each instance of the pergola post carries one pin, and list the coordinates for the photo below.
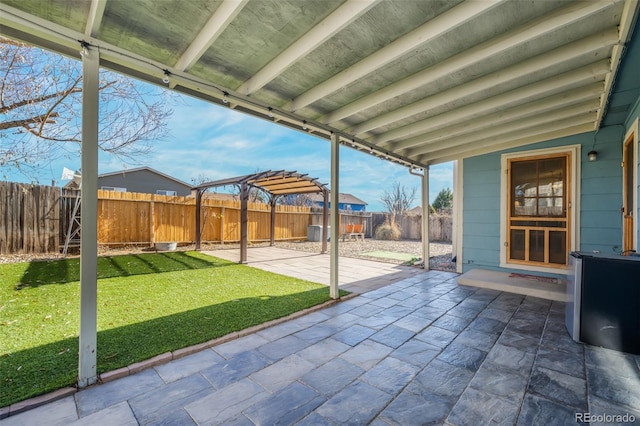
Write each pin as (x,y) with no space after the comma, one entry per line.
(335,216)
(325,220)
(425,218)
(198,219)
(87,373)
(272,202)
(244,221)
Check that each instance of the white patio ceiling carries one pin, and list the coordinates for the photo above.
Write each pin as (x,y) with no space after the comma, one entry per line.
(420,82)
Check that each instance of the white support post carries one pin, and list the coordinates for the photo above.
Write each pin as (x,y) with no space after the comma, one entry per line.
(87,374)
(425,218)
(456,238)
(335,216)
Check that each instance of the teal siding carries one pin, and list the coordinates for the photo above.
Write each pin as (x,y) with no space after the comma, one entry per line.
(600,198)
(635,113)
(481,216)
(601,194)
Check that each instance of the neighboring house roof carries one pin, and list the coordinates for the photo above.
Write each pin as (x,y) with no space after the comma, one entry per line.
(74,184)
(139,169)
(343,198)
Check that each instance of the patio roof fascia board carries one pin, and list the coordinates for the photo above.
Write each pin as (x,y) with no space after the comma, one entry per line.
(468,58)
(38,32)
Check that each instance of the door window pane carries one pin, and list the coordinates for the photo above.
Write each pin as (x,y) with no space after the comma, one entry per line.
(517,244)
(558,247)
(536,246)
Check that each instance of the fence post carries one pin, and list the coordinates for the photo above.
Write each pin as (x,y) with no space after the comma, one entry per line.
(152,220)
(222,225)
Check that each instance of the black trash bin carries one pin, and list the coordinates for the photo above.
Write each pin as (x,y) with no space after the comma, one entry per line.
(603,301)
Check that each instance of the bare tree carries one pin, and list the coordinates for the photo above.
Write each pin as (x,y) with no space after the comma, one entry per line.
(398,200)
(40,109)
(300,200)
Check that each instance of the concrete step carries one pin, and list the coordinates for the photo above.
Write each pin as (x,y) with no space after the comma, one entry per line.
(503,281)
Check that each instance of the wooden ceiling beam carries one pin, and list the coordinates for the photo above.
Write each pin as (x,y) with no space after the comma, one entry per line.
(535,30)
(523,70)
(330,26)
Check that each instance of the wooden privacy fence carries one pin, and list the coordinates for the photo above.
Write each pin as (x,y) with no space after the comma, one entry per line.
(349,220)
(34,219)
(440,226)
(134,218)
(29,218)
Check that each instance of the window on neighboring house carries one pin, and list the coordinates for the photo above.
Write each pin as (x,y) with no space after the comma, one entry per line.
(538,219)
(113,188)
(166,192)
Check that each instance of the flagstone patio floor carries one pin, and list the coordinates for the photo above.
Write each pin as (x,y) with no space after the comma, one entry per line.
(414,348)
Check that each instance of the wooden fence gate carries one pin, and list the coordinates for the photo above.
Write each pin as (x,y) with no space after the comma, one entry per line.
(29,218)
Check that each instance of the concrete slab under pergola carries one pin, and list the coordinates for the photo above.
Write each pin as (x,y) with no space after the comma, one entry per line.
(275,184)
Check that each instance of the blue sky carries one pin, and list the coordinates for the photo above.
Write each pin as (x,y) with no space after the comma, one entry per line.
(218,142)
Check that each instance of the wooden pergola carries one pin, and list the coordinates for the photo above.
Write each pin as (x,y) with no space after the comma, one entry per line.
(275,184)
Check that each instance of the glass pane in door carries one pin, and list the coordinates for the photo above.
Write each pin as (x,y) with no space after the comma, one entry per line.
(558,247)
(536,246)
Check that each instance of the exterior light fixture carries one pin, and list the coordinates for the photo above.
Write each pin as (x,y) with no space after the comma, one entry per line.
(304,125)
(592,155)
(270,112)
(225,100)
(84,48)
(165,79)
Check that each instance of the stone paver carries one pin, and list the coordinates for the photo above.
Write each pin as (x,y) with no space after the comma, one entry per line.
(416,348)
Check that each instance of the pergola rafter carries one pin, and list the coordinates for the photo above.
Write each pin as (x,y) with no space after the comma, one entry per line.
(275,184)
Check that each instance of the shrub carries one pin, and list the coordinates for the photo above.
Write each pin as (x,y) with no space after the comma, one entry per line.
(388,231)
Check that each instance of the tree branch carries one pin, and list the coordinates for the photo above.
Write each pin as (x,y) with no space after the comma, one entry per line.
(16,105)
(26,122)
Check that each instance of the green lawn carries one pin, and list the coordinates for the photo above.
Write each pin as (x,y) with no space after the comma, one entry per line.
(148,304)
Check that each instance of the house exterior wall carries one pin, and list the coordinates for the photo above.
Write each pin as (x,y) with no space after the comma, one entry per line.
(343,206)
(600,220)
(143,181)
